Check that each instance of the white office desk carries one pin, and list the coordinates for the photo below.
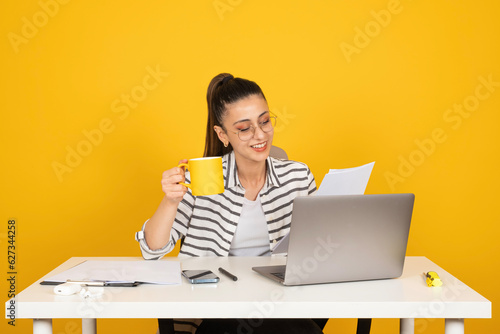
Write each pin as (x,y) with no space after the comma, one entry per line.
(254,296)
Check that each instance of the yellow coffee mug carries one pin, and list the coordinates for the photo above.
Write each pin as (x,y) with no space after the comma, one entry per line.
(206,176)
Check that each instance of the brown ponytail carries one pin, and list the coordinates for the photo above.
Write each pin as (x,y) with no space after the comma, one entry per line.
(224,89)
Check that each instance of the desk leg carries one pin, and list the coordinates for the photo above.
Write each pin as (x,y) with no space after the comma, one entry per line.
(42,326)
(406,326)
(89,326)
(454,326)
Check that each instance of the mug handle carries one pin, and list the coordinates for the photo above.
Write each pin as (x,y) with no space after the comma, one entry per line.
(184,184)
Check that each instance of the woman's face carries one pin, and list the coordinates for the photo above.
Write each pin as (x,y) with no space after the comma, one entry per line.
(240,117)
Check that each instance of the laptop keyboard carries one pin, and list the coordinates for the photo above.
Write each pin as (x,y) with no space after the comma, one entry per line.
(280,275)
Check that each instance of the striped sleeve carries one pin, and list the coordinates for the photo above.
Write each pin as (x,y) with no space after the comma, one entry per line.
(312,183)
(179,228)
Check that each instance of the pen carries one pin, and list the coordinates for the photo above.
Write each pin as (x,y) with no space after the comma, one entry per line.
(228,274)
(103,283)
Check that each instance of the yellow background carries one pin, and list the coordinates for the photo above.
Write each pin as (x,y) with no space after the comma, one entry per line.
(70,74)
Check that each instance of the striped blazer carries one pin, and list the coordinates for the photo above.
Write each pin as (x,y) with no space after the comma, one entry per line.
(208,223)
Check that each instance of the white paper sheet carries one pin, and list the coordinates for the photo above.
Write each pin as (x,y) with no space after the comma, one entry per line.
(156,272)
(348,181)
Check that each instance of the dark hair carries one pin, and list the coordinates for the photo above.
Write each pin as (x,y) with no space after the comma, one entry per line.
(222,90)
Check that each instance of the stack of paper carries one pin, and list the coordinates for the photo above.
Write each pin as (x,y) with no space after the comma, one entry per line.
(141,271)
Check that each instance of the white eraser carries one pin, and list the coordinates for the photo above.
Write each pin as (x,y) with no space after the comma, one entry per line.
(67,289)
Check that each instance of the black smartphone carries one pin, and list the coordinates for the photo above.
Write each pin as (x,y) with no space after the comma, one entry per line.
(200,276)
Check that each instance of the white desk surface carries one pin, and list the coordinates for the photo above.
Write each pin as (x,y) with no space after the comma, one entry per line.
(256,296)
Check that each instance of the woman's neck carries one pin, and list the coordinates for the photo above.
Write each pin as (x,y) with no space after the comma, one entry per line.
(251,174)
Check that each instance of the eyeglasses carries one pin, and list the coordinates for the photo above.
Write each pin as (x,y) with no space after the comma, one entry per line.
(266,125)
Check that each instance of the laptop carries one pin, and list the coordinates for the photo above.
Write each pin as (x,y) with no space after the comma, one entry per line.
(341,238)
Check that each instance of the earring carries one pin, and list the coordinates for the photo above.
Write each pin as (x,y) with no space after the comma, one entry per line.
(225,144)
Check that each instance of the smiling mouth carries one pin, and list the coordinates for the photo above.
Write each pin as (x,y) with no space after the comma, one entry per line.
(261,145)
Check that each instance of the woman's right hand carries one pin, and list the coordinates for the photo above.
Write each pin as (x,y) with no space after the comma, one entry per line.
(174,192)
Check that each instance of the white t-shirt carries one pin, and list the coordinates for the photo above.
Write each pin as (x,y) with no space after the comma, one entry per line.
(251,237)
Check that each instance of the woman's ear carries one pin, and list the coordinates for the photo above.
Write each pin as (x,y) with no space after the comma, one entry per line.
(222,135)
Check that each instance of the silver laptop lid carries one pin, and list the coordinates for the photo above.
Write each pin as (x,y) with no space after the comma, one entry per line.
(348,238)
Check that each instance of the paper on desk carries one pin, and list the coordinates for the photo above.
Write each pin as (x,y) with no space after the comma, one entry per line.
(347,181)
(155,272)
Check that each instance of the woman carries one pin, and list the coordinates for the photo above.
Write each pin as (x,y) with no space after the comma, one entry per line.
(253,213)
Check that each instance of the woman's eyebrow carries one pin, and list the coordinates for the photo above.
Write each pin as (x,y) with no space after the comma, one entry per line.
(247,120)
